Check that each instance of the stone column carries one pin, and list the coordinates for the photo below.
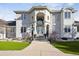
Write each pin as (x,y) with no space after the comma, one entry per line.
(44,24)
(35,23)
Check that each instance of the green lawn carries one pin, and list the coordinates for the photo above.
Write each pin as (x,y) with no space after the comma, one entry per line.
(13,45)
(68,47)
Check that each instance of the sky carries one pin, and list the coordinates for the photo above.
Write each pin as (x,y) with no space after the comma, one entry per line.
(7,9)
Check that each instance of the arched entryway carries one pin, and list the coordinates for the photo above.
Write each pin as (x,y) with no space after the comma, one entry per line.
(40,24)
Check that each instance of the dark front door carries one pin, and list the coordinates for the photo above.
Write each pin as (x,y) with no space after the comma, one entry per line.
(47,30)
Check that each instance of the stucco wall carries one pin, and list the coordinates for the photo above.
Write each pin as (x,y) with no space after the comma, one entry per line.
(67,22)
(56,22)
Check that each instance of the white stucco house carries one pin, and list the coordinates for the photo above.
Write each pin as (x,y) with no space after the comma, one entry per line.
(40,20)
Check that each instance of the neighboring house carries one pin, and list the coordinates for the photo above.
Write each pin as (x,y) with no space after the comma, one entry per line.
(11,29)
(7,29)
(40,20)
(2,29)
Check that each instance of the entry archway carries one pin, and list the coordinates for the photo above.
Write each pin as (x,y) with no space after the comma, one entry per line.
(40,24)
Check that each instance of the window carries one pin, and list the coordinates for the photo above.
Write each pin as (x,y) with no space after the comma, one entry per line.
(32,17)
(48,17)
(12,29)
(1,30)
(23,29)
(67,15)
(67,29)
(77,28)
(23,16)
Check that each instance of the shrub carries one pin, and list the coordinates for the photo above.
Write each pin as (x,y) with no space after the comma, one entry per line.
(53,37)
(27,39)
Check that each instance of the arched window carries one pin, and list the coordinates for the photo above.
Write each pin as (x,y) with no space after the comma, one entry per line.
(48,17)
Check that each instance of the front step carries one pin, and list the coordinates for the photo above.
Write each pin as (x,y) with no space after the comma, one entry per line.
(41,38)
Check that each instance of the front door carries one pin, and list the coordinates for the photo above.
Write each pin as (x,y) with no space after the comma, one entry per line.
(40,24)
(40,31)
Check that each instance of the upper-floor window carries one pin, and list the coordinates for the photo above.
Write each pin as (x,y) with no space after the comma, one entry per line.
(48,17)
(67,15)
(23,16)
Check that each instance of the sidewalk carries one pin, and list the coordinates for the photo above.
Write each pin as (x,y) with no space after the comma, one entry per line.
(40,48)
(36,48)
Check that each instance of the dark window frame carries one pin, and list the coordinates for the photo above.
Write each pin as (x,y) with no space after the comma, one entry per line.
(67,29)
(67,15)
(23,29)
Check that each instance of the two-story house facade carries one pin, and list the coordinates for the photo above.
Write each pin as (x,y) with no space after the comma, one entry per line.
(40,20)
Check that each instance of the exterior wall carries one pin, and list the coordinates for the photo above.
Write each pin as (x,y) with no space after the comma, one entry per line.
(56,22)
(46,20)
(67,22)
(18,28)
(23,22)
(11,32)
(2,33)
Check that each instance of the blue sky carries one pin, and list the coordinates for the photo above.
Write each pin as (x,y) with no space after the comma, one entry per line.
(6,9)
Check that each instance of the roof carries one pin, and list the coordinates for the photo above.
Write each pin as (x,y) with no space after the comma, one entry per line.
(39,7)
(76,23)
(35,8)
(11,23)
(70,8)
(3,23)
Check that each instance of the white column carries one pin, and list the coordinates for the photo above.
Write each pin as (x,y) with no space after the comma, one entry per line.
(45,24)
(35,21)
(18,28)
(4,33)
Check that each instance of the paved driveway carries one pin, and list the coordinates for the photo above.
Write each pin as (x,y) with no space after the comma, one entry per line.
(36,48)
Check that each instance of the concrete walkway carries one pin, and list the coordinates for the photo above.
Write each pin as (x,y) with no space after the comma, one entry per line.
(36,48)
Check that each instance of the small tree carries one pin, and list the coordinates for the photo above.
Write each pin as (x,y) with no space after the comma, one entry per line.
(27,37)
(54,36)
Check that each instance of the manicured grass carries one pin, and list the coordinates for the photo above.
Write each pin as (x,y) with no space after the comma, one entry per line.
(68,47)
(13,45)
